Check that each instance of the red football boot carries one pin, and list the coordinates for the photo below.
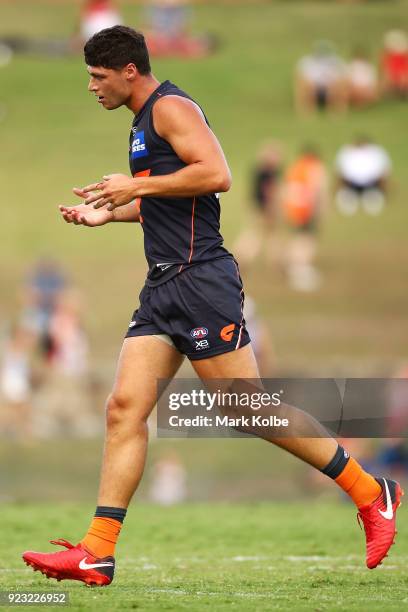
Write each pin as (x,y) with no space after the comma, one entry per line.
(379,521)
(76,563)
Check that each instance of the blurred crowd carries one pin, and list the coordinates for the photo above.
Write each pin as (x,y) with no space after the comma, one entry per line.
(296,197)
(326,81)
(44,361)
(290,197)
(167,25)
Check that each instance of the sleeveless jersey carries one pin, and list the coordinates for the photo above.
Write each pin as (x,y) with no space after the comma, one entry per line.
(178,232)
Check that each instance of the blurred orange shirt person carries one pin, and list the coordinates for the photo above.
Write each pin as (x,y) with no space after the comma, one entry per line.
(303,188)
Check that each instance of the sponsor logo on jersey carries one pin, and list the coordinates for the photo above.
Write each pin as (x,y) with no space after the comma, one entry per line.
(199,332)
(227,332)
(201,344)
(138,148)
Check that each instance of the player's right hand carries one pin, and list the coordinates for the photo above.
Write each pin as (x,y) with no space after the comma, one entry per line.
(84,215)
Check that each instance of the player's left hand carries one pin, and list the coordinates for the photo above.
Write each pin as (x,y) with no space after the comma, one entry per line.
(114,190)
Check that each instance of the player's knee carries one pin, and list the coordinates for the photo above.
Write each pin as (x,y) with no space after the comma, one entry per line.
(117,408)
(122,408)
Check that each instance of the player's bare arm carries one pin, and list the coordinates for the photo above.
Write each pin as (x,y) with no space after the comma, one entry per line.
(181,123)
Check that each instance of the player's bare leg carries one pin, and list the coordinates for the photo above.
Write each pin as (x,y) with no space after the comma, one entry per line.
(377,500)
(142,361)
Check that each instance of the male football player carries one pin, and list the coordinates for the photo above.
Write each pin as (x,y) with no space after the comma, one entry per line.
(178,169)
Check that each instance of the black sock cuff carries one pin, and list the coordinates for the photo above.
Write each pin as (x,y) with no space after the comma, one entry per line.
(108,512)
(337,464)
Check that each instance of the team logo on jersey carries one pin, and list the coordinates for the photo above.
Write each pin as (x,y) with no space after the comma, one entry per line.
(227,332)
(199,332)
(138,147)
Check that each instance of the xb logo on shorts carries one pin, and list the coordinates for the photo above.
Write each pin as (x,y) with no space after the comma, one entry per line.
(139,148)
(199,333)
(201,344)
(227,332)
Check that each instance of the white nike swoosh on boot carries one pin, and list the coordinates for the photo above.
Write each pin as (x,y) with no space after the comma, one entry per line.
(388,513)
(83,565)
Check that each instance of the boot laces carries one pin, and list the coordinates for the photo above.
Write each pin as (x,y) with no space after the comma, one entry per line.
(62,542)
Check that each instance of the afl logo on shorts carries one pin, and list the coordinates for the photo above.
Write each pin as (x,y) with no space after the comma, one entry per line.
(199,332)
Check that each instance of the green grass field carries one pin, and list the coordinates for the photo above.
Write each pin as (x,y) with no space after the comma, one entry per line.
(54,136)
(220,557)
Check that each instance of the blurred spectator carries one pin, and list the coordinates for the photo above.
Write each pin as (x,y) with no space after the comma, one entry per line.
(97,15)
(363,170)
(168,483)
(43,288)
(320,80)
(394,64)
(169,17)
(16,383)
(304,199)
(362,80)
(266,178)
(70,347)
(65,403)
(168,31)
(393,457)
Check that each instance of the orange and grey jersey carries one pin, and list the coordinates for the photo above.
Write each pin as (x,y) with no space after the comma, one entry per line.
(178,232)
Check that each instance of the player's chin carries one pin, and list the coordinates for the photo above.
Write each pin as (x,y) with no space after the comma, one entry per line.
(111,105)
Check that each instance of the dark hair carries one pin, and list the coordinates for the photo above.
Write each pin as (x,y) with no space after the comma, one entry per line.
(116,48)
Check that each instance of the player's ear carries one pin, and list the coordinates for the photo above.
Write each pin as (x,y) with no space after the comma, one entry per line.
(131,72)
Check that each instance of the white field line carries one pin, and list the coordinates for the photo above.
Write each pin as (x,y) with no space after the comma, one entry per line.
(212,593)
(148,564)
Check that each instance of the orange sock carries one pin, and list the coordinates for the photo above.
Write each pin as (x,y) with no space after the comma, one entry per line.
(102,536)
(361,486)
